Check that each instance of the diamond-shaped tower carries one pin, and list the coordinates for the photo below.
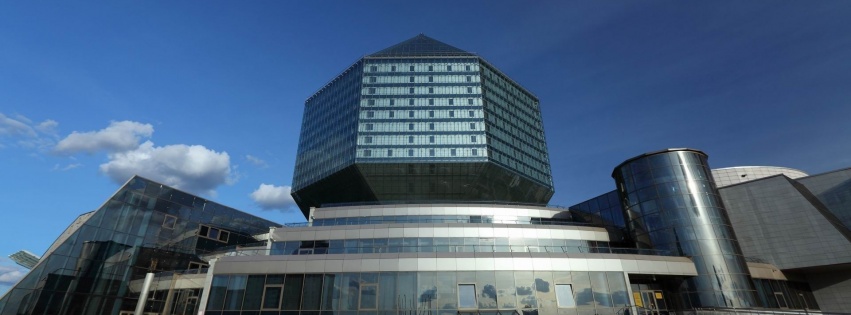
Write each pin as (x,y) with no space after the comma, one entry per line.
(422,121)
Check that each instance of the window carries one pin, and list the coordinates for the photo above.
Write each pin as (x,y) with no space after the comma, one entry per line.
(431,126)
(411,79)
(475,152)
(411,114)
(366,153)
(564,295)
(469,101)
(389,152)
(368,296)
(370,114)
(272,297)
(368,126)
(370,102)
(431,139)
(471,113)
(448,68)
(430,90)
(469,79)
(431,101)
(392,102)
(472,138)
(169,221)
(451,113)
(372,79)
(431,114)
(367,140)
(410,152)
(412,68)
(411,91)
(391,114)
(410,126)
(213,233)
(467,296)
(371,90)
(410,139)
(472,126)
(373,68)
(452,152)
(466,68)
(393,68)
(410,101)
(431,152)
(430,68)
(469,89)
(451,101)
(430,79)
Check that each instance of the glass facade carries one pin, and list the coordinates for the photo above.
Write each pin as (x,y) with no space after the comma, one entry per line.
(422,121)
(385,293)
(438,245)
(144,228)
(671,203)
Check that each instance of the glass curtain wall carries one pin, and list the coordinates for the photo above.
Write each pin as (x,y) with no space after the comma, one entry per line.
(671,203)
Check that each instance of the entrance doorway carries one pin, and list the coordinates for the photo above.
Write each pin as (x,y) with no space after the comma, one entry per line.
(650,302)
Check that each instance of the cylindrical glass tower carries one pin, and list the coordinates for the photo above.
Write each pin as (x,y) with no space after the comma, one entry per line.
(671,203)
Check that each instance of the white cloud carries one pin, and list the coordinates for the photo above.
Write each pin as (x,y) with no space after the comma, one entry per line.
(16,127)
(23,133)
(10,275)
(270,197)
(117,137)
(72,166)
(256,161)
(190,167)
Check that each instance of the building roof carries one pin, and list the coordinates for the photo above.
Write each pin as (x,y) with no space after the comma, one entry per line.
(421,46)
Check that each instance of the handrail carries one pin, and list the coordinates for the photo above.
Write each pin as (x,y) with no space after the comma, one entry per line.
(449,249)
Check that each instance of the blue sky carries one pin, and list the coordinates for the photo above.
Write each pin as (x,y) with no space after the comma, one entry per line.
(209,95)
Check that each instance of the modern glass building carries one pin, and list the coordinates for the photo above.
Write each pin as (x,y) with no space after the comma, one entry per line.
(423,174)
(145,227)
(422,121)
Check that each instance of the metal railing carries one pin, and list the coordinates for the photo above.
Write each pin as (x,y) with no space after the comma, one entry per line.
(445,249)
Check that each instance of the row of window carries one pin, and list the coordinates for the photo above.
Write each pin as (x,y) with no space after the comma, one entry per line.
(420,113)
(213,233)
(421,79)
(443,219)
(425,292)
(394,68)
(413,90)
(420,126)
(438,245)
(442,152)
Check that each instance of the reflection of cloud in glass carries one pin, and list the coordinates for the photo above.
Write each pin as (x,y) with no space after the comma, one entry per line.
(429,295)
(524,290)
(541,285)
(584,297)
(529,301)
(489,291)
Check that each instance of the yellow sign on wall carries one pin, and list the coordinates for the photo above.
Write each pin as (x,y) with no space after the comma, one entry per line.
(637,297)
(658,295)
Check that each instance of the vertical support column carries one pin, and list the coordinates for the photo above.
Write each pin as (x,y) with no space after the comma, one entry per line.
(143,295)
(208,285)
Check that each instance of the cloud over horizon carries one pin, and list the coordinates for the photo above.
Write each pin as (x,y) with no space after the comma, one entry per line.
(194,168)
(271,197)
(10,275)
(117,137)
(25,133)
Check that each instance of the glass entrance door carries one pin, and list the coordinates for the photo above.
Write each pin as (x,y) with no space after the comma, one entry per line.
(650,302)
